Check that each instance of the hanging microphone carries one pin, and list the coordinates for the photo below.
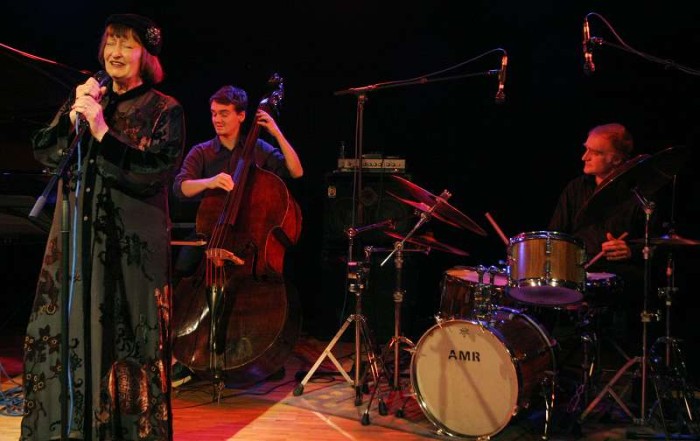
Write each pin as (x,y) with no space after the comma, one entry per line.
(588,66)
(500,93)
(103,79)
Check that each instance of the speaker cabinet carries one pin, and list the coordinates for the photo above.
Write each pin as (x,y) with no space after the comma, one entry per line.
(371,204)
(377,299)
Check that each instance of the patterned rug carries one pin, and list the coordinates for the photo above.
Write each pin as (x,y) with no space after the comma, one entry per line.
(332,395)
(11,355)
(338,398)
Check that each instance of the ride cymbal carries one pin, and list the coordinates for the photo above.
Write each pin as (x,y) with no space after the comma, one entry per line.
(668,240)
(644,173)
(437,206)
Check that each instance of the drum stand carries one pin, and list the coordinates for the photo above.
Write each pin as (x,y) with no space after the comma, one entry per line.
(357,274)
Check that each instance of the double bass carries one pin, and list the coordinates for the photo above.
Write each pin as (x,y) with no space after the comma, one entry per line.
(236,319)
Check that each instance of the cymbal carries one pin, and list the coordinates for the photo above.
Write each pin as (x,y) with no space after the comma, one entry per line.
(415,191)
(644,173)
(443,210)
(428,241)
(421,206)
(670,240)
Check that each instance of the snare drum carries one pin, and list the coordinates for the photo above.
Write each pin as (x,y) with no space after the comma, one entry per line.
(602,288)
(463,294)
(471,377)
(546,268)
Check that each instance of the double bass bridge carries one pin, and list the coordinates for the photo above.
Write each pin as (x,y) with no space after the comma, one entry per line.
(219,256)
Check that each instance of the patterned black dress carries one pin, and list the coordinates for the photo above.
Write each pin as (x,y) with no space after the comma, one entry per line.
(120,295)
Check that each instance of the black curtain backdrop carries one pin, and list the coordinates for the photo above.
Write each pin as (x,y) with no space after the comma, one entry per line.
(510,160)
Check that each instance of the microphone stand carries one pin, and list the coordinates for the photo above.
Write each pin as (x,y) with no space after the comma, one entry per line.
(625,47)
(62,172)
(357,209)
(356,275)
(361,94)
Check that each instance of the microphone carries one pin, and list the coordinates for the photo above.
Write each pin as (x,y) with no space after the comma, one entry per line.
(500,94)
(388,223)
(103,79)
(588,66)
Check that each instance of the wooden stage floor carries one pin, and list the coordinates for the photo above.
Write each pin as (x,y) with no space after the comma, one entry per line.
(269,411)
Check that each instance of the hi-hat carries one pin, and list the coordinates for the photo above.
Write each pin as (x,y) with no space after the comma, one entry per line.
(644,173)
(668,240)
(441,209)
(428,241)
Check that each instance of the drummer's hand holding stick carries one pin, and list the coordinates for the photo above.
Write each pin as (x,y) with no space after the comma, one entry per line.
(612,249)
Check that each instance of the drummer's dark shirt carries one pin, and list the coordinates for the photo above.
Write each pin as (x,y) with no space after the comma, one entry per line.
(626,216)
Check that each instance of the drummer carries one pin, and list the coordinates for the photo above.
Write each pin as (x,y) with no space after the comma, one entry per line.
(606,148)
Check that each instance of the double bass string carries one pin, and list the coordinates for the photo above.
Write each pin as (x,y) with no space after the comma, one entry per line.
(232,202)
(215,255)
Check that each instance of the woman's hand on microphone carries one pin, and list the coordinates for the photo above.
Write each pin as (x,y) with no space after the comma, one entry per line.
(87,107)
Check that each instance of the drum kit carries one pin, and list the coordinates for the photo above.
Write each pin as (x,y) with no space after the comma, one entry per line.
(482,361)
(486,359)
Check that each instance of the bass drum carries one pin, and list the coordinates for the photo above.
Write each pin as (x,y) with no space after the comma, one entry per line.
(471,377)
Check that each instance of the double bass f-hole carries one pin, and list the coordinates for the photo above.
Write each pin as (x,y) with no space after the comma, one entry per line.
(236,320)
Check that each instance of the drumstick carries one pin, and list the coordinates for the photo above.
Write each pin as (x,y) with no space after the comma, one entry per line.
(495,227)
(599,255)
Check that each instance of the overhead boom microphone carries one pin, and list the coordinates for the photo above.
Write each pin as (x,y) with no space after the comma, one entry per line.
(500,93)
(588,65)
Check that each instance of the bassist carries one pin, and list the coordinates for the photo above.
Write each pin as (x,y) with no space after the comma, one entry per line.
(209,167)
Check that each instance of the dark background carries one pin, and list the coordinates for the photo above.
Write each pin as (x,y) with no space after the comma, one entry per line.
(510,160)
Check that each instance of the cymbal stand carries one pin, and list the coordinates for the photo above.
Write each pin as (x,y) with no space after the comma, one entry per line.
(667,293)
(646,317)
(357,276)
(670,289)
(398,338)
(676,395)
